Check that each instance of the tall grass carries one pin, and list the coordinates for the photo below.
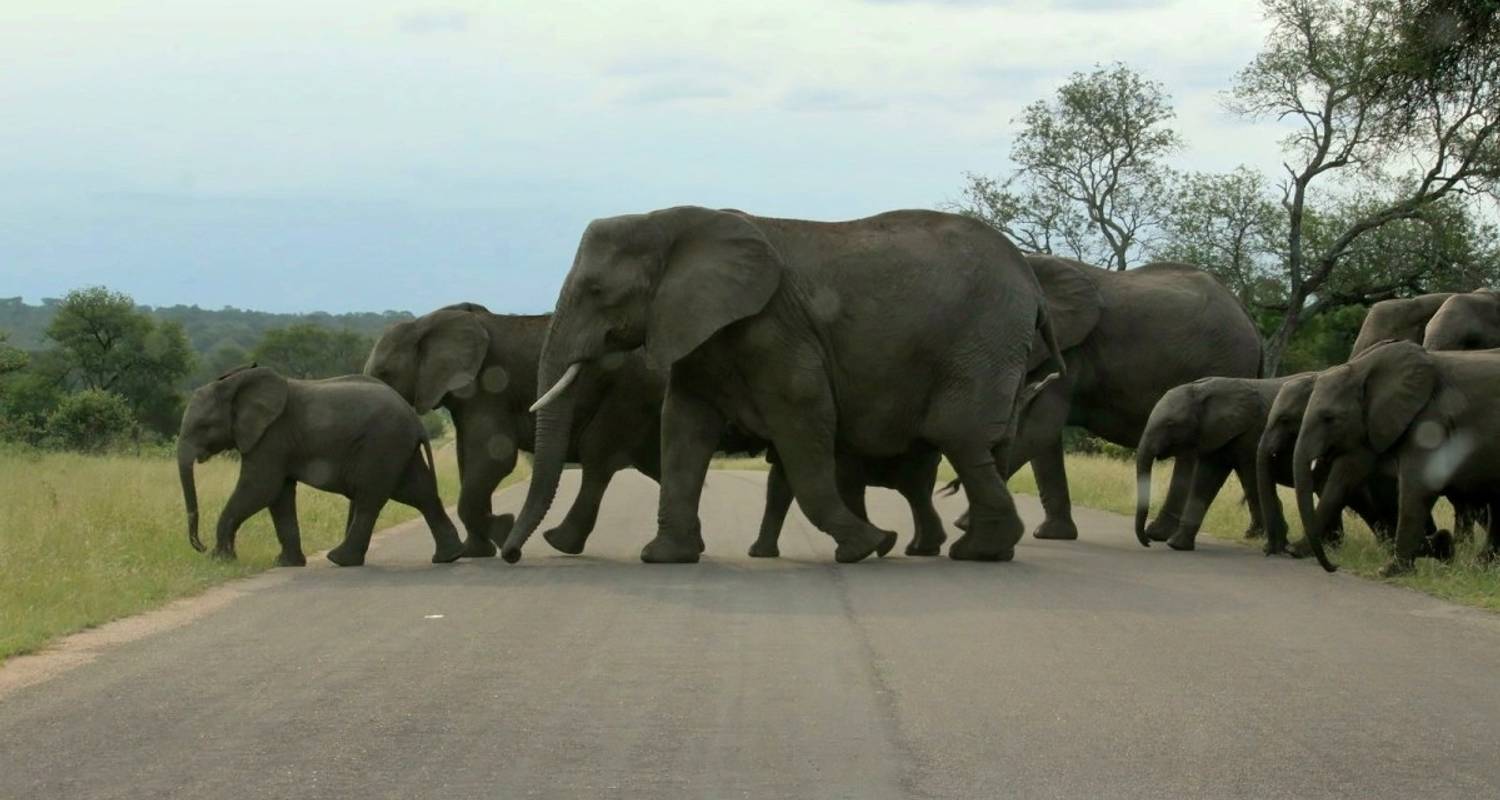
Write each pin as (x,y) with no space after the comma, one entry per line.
(88,539)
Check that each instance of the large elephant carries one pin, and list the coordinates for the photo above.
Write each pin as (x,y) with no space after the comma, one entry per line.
(1127,337)
(1426,416)
(482,368)
(1468,321)
(1402,319)
(1216,424)
(1373,501)
(860,337)
(350,435)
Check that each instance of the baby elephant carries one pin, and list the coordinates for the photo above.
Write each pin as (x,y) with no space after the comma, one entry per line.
(352,435)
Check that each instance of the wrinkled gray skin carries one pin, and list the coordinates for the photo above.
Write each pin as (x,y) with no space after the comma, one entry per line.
(792,330)
(1127,337)
(1402,319)
(482,368)
(1216,423)
(1469,321)
(1430,416)
(1273,468)
(352,436)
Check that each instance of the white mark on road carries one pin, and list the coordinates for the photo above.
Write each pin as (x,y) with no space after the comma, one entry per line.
(433,616)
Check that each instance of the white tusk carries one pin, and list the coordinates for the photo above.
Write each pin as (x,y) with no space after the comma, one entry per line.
(557,388)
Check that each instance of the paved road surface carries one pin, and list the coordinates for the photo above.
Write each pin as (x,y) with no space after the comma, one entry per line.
(1086,669)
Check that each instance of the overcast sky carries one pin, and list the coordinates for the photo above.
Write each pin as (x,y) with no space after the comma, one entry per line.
(364,155)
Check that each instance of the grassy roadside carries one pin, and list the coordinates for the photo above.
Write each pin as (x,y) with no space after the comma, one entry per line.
(88,539)
(1108,484)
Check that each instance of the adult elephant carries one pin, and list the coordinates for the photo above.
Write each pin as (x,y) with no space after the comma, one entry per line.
(859,337)
(1127,337)
(1402,319)
(1425,416)
(1468,321)
(482,368)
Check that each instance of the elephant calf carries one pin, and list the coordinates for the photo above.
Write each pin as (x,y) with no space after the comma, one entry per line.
(352,435)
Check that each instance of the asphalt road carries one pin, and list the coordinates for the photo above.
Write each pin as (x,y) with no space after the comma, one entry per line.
(1093,668)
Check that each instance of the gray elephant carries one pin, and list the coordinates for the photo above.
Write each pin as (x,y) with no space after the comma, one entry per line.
(1127,337)
(1468,321)
(352,436)
(860,337)
(1425,416)
(482,368)
(1401,319)
(1216,423)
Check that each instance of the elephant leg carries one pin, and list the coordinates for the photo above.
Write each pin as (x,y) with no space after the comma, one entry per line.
(485,457)
(1411,522)
(418,489)
(1169,519)
(1244,470)
(690,432)
(364,510)
(251,494)
(288,534)
(804,443)
(851,483)
(572,533)
(778,502)
(994,525)
(1052,484)
(1209,475)
(915,483)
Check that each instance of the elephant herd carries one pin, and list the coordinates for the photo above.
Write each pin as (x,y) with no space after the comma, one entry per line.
(853,354)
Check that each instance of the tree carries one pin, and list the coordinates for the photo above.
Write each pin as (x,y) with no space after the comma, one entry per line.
(1229,225)
(105,343)
(1341,72)
(312,351)
(90,421)
(1088,178)
(11,359)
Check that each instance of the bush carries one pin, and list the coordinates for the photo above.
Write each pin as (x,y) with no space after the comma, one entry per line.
(1081,442)
(90,421)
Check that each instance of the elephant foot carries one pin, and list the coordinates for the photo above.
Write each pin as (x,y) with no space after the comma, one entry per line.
(449,553)
(1279,548)
(1062,530)
(1179,542)
(861,544)
(222,554)
(970,547)
(920,548)
(346,556)
(1441,546)
(1162,528)
(1255,532)
(566,540)
(289,559)
(1396,567)
(765,549)
(671,550)
(477,547)
(962,523)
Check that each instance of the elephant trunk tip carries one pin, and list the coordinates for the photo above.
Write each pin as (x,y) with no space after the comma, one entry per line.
(1143,500)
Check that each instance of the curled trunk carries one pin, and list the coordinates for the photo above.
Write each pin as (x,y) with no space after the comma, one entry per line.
(1307,508)
(1145,458)
(185,456)
(554,423)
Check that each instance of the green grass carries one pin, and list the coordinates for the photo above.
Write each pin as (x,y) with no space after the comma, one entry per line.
(88,539)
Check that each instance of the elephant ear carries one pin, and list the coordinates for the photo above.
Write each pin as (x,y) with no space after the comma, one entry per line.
(1399,381)
(719,268)
(1073,300)
(259,398)
(1228,411)
(451,350)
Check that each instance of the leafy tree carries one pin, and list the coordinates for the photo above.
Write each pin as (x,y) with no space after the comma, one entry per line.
(1229,225)
(11,359)
(1342,73)
(312,351)
(92,421)
(1089,180)
(106,344)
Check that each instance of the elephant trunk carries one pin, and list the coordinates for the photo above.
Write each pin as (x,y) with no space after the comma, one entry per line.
(1145,458)
(185,457)
(554,421)
(1266,486)
(1306,452)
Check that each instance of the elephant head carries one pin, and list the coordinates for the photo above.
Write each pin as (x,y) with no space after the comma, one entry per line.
(233,412)
(434,355)
(1358,411)
(1403,319)
(1468,321)
(1276,442)
(667,280)
(1200,417)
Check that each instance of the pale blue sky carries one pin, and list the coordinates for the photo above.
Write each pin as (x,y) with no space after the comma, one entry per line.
(363,155)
